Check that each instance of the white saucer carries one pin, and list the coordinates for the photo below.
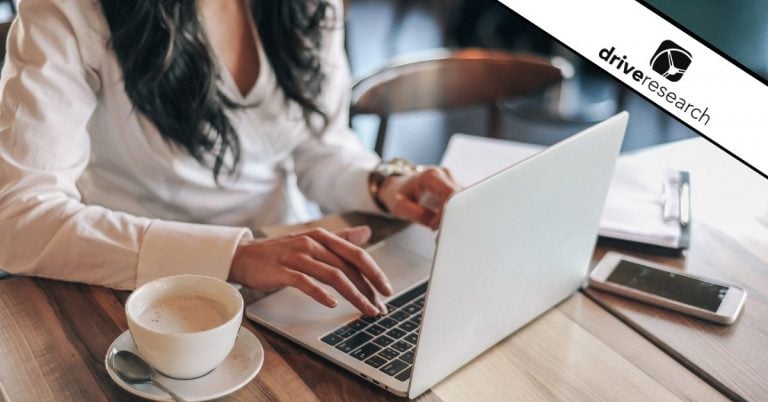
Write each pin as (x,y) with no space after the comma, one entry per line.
(238,369)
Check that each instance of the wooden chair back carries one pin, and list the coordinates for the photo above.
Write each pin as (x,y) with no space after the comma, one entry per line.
(443,80)
(4,28)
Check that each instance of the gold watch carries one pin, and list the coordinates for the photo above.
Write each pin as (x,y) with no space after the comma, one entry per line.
(385,170)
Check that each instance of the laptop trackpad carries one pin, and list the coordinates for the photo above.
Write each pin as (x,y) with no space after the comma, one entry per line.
(403,257)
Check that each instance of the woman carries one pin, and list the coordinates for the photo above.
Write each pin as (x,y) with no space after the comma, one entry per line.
(142,138)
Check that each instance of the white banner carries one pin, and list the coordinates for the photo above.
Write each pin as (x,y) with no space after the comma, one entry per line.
(664,64)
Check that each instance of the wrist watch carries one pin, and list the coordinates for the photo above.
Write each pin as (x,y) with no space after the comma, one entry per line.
(385,170)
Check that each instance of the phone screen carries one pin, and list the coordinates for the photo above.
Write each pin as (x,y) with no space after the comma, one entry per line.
(669,285)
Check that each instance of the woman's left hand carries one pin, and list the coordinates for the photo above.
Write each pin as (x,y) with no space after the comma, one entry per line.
(419,197)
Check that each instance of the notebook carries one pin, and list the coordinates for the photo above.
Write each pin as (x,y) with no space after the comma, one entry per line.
(646,206)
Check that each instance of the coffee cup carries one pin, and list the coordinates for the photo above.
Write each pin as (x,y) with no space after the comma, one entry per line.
(185,325)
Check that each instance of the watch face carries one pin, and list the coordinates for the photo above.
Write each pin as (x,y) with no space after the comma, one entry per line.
(403,167)
(386,169)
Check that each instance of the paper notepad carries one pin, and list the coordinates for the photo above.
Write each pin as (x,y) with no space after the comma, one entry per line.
(645,205)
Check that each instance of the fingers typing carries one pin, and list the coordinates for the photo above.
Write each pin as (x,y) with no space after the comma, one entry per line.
(356,256)
(336,278)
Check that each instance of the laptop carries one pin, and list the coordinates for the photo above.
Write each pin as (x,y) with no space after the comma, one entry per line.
(509,248)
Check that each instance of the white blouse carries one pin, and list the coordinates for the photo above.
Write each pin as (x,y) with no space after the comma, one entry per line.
(89,190)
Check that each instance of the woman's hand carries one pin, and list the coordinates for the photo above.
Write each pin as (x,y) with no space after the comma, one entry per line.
(303,259)
(419,197)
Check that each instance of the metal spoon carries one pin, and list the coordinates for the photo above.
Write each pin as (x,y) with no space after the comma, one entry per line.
(134,370)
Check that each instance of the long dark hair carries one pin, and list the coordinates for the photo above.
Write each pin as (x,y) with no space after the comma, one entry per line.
(171,77)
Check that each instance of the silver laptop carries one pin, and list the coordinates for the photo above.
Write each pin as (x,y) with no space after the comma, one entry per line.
(510,248)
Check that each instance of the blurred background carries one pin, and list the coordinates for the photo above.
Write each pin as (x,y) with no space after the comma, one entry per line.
(379,30)
(739,28)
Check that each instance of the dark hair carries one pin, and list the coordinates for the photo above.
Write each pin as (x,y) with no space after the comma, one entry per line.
(171,77)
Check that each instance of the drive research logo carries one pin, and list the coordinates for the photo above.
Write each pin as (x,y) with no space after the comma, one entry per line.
(671,60)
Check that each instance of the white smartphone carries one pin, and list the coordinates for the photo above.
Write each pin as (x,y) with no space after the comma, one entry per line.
(654,284)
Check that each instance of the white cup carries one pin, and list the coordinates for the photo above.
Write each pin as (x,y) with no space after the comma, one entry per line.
(185,355)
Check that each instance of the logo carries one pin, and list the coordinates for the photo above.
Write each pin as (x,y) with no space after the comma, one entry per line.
(671,60)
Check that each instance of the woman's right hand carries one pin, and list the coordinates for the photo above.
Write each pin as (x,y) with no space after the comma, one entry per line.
(303,259)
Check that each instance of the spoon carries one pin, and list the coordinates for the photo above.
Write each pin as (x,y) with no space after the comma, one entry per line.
(134,370)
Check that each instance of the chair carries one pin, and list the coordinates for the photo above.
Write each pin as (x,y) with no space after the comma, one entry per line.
(4,28)
(444,79)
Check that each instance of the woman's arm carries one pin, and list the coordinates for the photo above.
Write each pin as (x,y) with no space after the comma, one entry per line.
(48,92)
(332,168)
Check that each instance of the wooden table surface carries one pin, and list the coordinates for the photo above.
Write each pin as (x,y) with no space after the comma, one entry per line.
(730,243)
(54,336)
(734,358)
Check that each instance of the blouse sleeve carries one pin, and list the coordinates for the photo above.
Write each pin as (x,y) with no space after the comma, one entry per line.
(333,167)
(48,93)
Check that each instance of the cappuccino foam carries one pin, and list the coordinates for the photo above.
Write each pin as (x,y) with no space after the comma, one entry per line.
(188,313)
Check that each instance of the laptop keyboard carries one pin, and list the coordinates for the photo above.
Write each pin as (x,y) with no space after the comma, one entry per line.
(387,342)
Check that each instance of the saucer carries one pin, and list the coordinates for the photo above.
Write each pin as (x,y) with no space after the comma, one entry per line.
(239,368)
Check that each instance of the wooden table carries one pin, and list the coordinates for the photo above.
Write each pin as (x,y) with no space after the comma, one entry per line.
(730,243)
(733,359)
(54,335)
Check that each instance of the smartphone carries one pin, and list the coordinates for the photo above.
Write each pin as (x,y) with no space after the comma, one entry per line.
(654,284)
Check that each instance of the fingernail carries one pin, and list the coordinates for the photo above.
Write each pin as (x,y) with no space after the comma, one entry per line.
(373,311)
(388,288)
(358,238)
(382,308)
(333,302)
(360,234)
(431,201)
